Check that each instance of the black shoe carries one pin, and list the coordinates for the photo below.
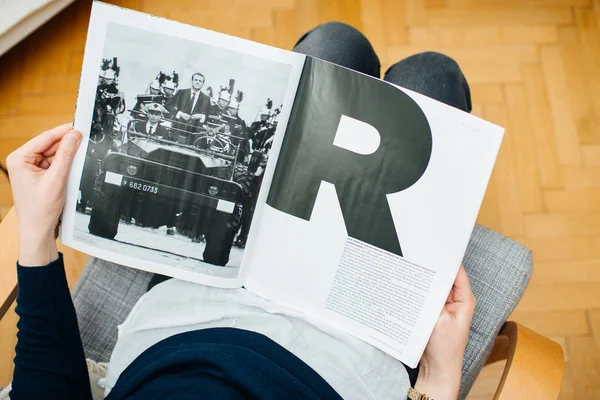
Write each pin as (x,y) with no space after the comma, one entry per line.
(170,232)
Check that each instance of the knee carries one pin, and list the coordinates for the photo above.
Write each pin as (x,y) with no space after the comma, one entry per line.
(341,44)
(432,62)
(435,75)
(337,31)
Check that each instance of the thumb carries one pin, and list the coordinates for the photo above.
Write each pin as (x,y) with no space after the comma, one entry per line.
(65,153)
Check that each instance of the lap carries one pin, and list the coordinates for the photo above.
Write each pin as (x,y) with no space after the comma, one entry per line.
(432,74)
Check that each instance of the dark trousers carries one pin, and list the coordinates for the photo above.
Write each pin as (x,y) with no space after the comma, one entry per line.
(432,74)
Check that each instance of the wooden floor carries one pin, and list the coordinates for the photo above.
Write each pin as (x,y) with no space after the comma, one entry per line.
(533,66)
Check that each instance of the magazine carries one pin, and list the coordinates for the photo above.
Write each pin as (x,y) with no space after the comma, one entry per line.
(229,163)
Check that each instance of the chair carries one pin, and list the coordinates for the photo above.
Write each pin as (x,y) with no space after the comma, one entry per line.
(499,270)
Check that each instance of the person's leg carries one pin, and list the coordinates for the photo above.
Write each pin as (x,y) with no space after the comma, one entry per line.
(340,44)
(435,75)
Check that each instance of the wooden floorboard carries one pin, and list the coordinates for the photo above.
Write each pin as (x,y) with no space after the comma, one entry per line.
(534,68)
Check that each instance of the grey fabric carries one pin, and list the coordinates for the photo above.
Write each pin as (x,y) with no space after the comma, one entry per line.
(103,297)
(499,270)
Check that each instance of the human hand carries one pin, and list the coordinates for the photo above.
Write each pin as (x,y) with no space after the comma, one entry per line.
(184,116)
(441,365)
(38,173)
(201,117)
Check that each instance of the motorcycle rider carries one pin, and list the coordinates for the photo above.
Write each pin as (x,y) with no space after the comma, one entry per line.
(108,91)
(263,131)
(110,102)
(237,128)
(159,90)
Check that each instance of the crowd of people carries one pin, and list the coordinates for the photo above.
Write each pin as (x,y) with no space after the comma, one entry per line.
(208,120)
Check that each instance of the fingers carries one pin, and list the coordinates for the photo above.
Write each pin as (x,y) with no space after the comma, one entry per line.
(64,155)
(462,287)
(45,140)
(45,163)
(462,279)
(51,150)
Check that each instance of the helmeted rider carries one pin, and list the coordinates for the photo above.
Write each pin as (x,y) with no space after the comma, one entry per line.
(107,91)
(237,127)
(159,90)
(219,127)
(169,85)
(262,133)
(109,103)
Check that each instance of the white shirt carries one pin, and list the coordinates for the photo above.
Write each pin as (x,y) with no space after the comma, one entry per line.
(195,100)
(151,128)
(355,369)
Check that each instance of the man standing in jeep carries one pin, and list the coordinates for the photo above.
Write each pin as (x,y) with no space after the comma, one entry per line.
(199,221)
(190,106)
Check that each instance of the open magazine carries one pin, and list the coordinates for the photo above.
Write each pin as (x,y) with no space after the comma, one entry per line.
(229,163)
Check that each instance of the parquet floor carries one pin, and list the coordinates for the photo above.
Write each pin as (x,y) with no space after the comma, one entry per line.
(533,66)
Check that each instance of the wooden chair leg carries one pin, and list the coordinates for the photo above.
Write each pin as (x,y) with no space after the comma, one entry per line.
(534,364)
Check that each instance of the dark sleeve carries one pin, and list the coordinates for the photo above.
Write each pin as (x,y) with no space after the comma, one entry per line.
(244,129)
(204,104)
(172,105)
(49,362)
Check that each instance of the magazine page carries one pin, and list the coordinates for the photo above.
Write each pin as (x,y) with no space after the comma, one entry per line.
(371,207)
(179,124)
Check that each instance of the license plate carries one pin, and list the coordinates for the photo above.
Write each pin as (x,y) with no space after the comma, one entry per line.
(142,187)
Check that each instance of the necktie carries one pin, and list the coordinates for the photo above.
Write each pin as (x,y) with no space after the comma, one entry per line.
(150,130)
(193,100)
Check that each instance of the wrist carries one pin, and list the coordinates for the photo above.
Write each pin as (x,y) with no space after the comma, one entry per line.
(37,248)
(439,383)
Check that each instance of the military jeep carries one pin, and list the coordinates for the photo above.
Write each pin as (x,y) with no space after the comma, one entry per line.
(199,180)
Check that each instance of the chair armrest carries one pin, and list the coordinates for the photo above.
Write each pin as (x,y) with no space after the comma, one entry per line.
(74,261)
(8,258)
(534,364)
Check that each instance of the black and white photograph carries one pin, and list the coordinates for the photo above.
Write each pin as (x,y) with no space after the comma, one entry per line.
(179,141)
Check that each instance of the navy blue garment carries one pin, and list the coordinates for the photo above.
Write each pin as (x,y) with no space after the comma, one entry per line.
(220,363)
(217,363)
(49,362)
(432,74)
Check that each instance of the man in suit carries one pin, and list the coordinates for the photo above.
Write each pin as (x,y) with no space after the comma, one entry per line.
(190,106)
(154,112)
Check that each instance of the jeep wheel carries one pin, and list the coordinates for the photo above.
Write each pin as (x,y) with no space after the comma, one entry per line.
(244,178)
(219,238)
(104,220)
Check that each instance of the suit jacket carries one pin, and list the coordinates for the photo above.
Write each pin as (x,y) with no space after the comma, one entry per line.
(160,131)
(182,101)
